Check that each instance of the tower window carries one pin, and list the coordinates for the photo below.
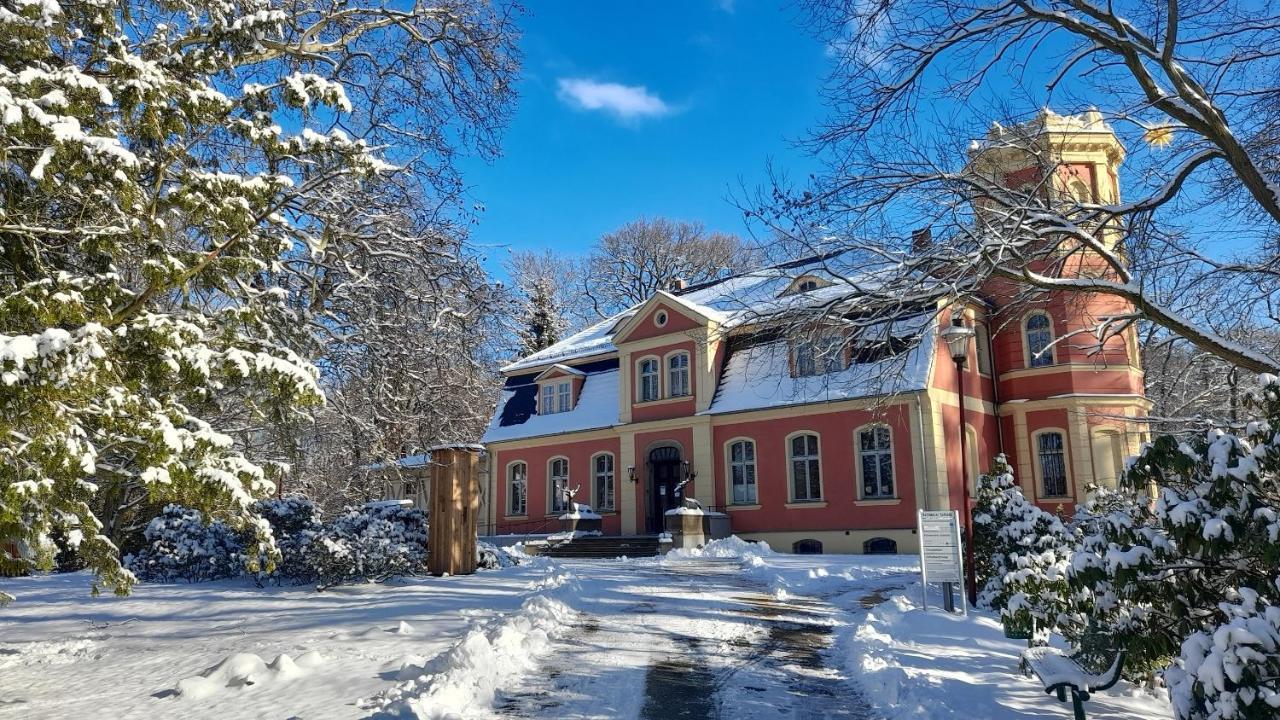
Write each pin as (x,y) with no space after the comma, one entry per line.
(1039,335)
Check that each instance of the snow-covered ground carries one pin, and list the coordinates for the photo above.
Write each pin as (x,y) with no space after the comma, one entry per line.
(733,632)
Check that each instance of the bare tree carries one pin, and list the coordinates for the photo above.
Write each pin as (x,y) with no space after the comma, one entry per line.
(1187,86)
(630,264)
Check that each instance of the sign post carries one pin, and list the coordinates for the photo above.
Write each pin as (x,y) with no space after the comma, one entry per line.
(941,554)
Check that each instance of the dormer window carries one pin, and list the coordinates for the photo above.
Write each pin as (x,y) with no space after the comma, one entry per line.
(557,397)
(818,356)
(804,284)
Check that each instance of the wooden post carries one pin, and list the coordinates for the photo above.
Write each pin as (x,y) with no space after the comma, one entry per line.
(454,503)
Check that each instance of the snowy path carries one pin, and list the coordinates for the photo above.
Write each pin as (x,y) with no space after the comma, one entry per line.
(689,639)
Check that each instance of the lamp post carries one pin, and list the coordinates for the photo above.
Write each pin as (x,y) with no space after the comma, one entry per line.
(957,337)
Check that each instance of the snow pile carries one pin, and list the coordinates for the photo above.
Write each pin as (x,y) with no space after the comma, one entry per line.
(494,653)
(926,665)
(580,512)
(733,547)
(242,670)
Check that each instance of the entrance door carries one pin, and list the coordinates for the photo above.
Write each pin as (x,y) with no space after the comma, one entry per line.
(664,471)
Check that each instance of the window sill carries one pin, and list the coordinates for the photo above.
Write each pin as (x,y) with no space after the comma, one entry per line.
(662,401)
(805,504)
(731,508)
(515,517)
(604,513)
(877,501)
(1051,498)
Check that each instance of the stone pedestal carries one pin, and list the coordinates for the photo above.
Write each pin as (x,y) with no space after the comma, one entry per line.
(692,527)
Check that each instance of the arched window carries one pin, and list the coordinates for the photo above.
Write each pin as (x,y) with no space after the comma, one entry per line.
(982,347)
(678,375)
(880,546)
(875,458)
(604,482)
(807,547)
(649,380)
(517,489)
(742,472)
(558,472)
(806,471)
(1039,335)
(1053,464)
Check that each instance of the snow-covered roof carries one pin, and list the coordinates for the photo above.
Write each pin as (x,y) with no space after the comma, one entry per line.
(758,378)
(597,408)
(594,340)
(561,368)
(730,301)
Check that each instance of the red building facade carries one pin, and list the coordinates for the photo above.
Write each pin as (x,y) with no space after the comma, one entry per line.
(818,442)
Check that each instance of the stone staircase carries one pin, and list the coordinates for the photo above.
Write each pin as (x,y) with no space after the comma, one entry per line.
(604,547)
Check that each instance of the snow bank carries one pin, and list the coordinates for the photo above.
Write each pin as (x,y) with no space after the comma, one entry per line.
(494,653)
(925,665)
(242,670)
(785,574)
(732,547)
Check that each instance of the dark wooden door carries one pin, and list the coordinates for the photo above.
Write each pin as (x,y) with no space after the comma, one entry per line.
(664,464)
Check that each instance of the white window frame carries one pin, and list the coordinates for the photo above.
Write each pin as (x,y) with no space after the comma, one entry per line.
(731,466)
(564,396)
(523,482)
(682,374)
(547,401)
(640,378)
(557,501)
(610,477)
(807,458)
(1047,357)
(877,453)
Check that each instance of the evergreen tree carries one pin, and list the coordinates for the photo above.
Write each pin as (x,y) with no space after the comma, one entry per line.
(167,169)
(542,319)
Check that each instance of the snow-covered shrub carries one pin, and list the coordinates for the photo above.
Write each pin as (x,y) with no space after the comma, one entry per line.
(492,557)
(1191,576)
(181,546)
(1025,553)
(295,523)
(1232,670)
(372,542)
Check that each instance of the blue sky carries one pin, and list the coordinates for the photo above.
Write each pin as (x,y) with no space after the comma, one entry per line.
(631,109)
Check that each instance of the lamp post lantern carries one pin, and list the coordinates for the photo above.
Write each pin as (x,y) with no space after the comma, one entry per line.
(957,337)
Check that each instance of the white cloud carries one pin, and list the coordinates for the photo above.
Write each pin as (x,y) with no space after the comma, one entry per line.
(627,102)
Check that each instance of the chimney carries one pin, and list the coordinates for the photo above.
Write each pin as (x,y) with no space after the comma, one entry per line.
(921,241)
(677,284)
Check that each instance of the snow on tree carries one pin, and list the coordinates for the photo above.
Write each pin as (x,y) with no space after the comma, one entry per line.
(175,175)
(1191,577)
(627,266)
(541,322)
(1024,554)
(1181,84)
(182,547)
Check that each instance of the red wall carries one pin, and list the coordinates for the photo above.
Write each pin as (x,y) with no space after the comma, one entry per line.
(641,412)
(580,475)
(836,449)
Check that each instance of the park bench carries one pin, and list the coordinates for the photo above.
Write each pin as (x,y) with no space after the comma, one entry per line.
(1062,674)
